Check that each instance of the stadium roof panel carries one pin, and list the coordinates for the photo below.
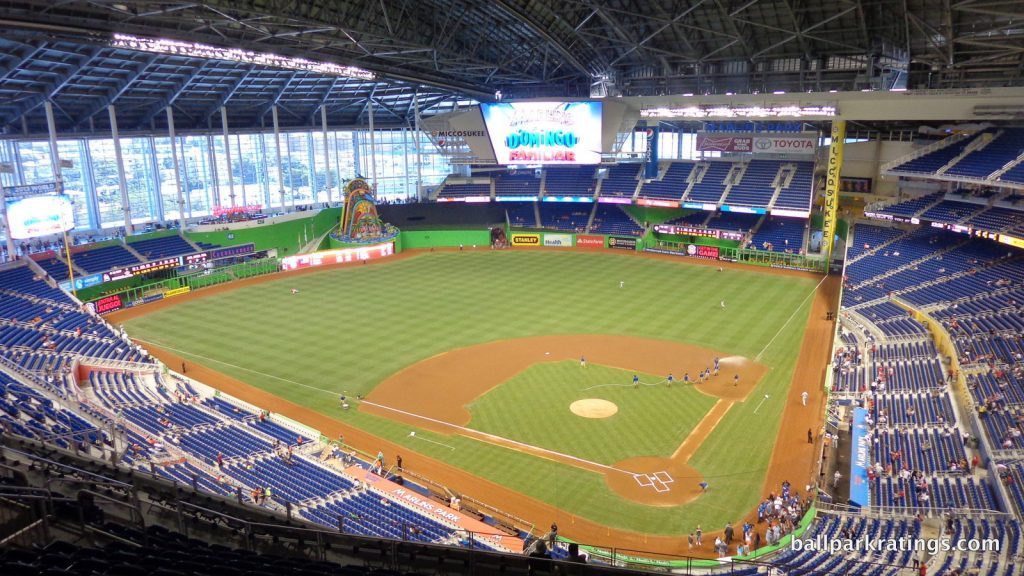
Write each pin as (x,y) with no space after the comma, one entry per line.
(446,50)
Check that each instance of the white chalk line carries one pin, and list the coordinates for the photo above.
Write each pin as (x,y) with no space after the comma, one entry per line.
(186,352)
(791,316)
(499,439)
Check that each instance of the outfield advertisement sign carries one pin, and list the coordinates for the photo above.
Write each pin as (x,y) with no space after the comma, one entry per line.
(558,240)
(177,291)
(859,495)
(622,243)
(341,256)
(107,304)
(525,239)
(83,282)
(590,241)
(706,252)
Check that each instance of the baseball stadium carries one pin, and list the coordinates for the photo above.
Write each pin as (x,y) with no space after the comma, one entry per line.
(434,287)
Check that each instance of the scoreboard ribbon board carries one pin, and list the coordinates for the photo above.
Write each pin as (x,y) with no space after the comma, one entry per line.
(139,269)
(698,232)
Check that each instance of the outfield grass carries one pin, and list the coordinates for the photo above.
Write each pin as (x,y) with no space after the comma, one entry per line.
(350,328)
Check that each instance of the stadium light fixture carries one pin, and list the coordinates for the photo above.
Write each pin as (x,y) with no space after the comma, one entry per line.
(196,50)
(752,111)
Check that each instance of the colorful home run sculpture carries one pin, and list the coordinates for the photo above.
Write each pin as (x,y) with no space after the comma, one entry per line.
(359,219)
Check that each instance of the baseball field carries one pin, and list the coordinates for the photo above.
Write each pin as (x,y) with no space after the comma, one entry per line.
(471,366)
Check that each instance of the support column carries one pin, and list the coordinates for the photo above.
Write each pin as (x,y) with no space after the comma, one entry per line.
(327,152)
(227,153)
(277,150)
(405,159)
(419,143)
(121,180)
(177,173)
(373,149)
(11,253)
(51,128)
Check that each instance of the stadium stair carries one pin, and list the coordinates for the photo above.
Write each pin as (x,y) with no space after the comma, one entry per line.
(977,145)
(134,252)
(732,178)
(1007,167)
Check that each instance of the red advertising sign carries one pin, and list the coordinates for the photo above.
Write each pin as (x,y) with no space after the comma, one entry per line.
(219,211)
(698,251)
(337,256)
(593,241)
(715,143)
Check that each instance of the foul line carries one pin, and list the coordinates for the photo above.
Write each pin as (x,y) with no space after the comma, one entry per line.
(185,352)
(499,440)
(791,316)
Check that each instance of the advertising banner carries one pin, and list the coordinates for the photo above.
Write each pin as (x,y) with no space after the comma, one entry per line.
(785,144)
(560,240)
(107,304)
(622,243)
(177,291)
(707,252)
(859,494)
(525,239)
(651,166)
(589,241)
(658,203)
(832,183)
(757,144)
(708,143)
(544,132)
(83,282)
(340,256)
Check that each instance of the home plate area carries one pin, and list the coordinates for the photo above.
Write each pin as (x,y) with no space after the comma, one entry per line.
(658,480)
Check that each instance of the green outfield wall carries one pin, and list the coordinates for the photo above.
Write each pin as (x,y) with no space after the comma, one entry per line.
(413,239)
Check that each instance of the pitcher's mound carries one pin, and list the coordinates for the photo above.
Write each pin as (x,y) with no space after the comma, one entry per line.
(593,408)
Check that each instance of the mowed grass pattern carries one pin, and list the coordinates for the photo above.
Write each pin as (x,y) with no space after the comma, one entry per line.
(350,328)
(533,408)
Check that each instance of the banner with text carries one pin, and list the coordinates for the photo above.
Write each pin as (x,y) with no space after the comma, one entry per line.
(859,462)
(589,241)
(558,240)
(622,243)
(760,144)
(832,183)
(525,239)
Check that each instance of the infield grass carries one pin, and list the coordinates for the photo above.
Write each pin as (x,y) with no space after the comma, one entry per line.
(349,328)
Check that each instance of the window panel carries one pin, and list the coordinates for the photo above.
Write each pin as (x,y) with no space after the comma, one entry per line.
(75,182)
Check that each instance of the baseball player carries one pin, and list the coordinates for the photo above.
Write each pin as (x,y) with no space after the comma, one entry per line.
(670,379)
(636,381)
